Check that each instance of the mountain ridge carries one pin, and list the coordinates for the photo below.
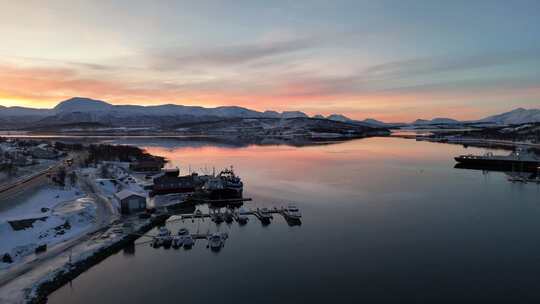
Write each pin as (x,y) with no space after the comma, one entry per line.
(82,109)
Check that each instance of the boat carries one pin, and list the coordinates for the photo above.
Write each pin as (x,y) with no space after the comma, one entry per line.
(242,216)
(178,241)
(264,215)
(521,160)
(517,179)
(188,241)
(163,238)
(292,213)
(215,241)
(183,231)
(167,241)
(198,213)
(225,185)
(228,215)
(217,217)
(163,231)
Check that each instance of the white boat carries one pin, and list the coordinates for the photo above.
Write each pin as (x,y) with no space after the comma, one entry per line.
(183,231)
(215,241)
(163,231)
(188,241)
(163,238)
(292,212)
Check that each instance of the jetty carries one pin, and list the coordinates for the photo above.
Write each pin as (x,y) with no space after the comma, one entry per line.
(257,213)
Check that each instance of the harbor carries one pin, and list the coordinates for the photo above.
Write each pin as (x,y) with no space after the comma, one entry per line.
(338,196)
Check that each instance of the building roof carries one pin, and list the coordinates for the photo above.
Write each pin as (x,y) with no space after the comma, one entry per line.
(127,193)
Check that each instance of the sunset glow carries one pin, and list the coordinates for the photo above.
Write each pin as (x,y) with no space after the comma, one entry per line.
(363,59)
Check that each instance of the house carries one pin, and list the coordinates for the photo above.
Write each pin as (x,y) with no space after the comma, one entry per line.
(146,166)
(170,182)
(130,201)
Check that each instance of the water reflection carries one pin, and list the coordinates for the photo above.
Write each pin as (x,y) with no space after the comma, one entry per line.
(386,220)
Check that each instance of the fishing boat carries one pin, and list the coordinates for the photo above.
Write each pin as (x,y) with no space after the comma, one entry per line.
(224,186)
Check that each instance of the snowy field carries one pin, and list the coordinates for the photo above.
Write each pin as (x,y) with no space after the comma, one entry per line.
(67,214)
(29,204)
(25,171)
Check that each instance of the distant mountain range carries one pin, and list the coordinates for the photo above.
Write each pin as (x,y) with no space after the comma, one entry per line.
(79,110)
(514,117)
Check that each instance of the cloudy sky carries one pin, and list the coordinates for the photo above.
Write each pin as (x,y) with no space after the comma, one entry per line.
(390,60)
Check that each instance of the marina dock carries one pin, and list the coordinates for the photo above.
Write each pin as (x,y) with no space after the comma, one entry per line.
(256,213)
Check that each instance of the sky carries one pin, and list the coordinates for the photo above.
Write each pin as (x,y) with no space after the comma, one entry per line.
(388,60)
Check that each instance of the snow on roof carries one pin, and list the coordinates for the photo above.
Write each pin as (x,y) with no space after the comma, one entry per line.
(126,193)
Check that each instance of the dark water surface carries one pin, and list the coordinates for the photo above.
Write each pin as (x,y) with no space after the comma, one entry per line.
(384,220)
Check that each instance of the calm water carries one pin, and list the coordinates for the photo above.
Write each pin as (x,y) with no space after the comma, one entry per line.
(385,220)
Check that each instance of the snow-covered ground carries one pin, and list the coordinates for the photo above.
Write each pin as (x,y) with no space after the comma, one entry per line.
(66,221)
(61,213)
(25,171)
(30,205)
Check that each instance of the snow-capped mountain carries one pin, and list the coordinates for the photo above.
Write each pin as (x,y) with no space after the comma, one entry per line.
(85,110)
(80,104)
(339,117)
(514,117)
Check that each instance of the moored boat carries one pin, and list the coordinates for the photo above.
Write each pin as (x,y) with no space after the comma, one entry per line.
(225,185)
(178,241)
(188,241)
(228,216)
(292,213)
(264,215)
(242,216)
(183,231)
(518,160)
(215,241)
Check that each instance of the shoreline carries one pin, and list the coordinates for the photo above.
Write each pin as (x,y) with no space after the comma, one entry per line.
(39,292)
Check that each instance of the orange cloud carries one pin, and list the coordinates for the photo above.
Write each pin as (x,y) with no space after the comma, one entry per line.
(45,87)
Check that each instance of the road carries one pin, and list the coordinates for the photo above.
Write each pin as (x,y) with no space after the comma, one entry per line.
(26,182)
(105,213)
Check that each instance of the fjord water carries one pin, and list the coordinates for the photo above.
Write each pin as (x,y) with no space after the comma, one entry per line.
(384,220)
